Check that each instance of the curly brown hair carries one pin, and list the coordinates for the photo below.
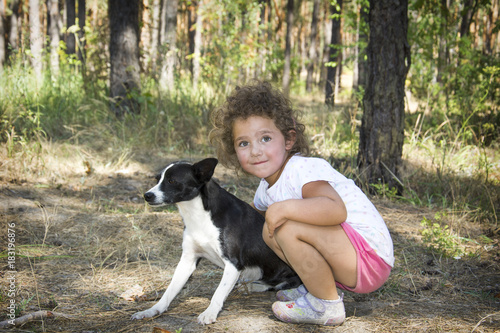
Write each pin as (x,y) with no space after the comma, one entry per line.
(258,98)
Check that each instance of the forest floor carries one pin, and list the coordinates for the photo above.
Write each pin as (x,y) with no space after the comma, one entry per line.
(85,237)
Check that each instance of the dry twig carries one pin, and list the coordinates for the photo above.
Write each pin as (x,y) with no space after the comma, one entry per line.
(38,315)
(496,314)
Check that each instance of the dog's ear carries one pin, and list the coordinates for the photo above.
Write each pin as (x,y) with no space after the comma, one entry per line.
(204,169)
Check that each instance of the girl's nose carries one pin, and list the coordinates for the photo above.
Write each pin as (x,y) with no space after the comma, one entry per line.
(255,150)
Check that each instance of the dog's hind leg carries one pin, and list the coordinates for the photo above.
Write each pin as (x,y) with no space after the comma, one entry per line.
(183,271)
(229,279)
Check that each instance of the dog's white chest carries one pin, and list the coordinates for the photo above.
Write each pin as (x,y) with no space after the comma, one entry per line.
(201,236)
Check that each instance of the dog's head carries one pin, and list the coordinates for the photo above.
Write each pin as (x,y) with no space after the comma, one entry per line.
(180,181)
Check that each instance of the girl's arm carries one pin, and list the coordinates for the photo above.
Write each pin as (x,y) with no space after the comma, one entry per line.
(321,205)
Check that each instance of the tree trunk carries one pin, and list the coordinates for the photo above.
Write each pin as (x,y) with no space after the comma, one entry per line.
(382,128)
(155,34)
(301,42)
(327,38)
(14,26)
(197,45)
(443,54)
(70,21)
(36,38)
(338,72)
(81,33)
(335,55)
(312,46)
(470,7)
(191,13)
(243,73)
(53,30)
(490,30)
(2,36)
(124,55)
(170,39)
(261,63)
(145,32)
(288,48)
(361,63)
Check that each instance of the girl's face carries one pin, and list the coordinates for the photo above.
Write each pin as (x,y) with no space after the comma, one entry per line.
(261,148)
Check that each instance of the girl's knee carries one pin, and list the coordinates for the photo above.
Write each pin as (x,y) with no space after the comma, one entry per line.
(287,231)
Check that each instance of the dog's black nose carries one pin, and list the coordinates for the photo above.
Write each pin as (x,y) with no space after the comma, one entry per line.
(148,196)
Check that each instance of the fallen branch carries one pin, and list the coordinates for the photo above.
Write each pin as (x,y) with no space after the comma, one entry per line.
(39,315)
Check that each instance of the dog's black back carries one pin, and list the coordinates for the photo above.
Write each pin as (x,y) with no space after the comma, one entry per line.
(241,236)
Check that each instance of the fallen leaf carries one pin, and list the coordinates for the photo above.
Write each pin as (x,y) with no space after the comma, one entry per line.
(133,293)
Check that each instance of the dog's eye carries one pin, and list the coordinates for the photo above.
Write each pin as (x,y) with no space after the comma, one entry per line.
(171,181)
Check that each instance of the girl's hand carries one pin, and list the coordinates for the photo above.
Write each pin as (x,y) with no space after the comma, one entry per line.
(276,216)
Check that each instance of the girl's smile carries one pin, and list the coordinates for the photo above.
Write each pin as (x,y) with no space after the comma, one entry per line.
(261,148)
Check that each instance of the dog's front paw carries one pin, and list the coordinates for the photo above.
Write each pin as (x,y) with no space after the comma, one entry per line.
(145,314)
(207,317)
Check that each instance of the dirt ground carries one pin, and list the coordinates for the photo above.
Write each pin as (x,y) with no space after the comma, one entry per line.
(83,241)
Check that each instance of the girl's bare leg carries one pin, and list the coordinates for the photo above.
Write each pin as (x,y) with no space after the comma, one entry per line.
(320,255)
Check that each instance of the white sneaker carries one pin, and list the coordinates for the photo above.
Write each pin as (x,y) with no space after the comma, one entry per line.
(311,310)
(291,294)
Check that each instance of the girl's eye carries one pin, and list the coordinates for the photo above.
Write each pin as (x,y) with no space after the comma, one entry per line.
(243,144)
(266,139)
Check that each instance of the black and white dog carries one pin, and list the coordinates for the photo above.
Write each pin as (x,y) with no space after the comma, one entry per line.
(220,228)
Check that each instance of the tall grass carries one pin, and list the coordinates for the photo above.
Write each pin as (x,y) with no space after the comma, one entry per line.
(448,173)
(77,111)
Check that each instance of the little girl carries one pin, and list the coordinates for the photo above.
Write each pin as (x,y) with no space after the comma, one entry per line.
(317,221)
